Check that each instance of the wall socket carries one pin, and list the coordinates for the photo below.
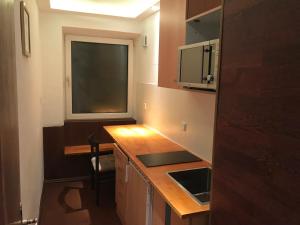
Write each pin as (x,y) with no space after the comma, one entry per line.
(184,126)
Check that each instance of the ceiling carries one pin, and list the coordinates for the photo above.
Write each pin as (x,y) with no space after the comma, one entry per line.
(119,8)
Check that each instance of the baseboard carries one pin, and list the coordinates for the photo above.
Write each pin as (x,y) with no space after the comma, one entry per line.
(69,179)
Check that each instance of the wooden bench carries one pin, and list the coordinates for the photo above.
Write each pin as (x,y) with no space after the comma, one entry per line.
(86,149)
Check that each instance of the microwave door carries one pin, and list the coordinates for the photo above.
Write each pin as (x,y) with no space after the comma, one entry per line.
(191,65)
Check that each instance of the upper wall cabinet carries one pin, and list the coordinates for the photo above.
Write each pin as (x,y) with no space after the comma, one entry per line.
(184,22)
(197,7)
(172,35)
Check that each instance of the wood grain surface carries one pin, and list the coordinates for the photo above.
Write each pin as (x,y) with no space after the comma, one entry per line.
(137,139)
(136,198)
(196,7)
(86,149)
(9,131)
(256,164)
(171,36)
(121,161)
(73,133)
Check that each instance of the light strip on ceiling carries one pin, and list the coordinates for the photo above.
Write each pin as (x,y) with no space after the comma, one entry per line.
(130,9)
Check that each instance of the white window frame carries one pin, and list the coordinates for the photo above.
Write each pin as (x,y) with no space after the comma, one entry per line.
(68,83)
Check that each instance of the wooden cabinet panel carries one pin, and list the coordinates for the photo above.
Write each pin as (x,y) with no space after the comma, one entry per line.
(256,162)
(172,35)
(175,220)
(158,209)
(121,163)
(136,198)
(196,7)
(200,220)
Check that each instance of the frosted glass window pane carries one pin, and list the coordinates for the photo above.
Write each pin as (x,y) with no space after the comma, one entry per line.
(99,77)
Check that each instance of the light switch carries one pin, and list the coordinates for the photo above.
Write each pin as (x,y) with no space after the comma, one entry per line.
(184,126)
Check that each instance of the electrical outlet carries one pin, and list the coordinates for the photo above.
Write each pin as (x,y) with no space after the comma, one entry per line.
(184,126)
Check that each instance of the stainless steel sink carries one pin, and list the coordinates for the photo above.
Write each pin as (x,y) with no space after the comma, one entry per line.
(196,182)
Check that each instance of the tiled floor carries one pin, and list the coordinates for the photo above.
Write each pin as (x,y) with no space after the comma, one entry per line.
(73,203)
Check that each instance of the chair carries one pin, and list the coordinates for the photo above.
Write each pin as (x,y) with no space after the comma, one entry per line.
(102,165)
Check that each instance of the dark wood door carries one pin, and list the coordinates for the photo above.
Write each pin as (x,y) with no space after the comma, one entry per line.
(9,146)
(256,163)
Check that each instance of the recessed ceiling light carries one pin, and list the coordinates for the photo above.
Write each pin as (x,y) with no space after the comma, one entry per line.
(120,8)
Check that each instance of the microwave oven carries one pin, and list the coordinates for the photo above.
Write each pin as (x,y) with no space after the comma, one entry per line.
(198,65)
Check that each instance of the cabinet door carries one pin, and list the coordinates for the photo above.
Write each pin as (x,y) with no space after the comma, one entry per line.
(158,215)
(196,7)
(121,163)
(137,189)
(172,35)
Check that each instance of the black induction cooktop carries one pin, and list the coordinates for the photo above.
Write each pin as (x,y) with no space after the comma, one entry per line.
(167,158)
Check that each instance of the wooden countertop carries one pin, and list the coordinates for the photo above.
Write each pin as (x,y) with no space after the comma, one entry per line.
(86,149)
(137,139)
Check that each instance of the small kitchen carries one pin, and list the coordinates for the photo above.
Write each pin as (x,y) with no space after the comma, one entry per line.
(176,136)
(155,112)
(186,69)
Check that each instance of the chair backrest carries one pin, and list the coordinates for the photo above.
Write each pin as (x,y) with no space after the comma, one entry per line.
(95,151)
(93,143)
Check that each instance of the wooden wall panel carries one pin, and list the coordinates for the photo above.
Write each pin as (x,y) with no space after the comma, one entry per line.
(196,7)
(74,132)
(172,35)
(256,163)
(77,131)
(9,132)
(56,164)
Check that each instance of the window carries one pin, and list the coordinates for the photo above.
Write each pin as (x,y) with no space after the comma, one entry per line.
(98,77)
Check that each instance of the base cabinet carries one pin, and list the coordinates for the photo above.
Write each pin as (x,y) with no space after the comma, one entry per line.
(137,198)
(137,203)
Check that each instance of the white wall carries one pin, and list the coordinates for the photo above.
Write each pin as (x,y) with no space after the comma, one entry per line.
(168,108)
(51,28)
(147,57)
(29,113)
